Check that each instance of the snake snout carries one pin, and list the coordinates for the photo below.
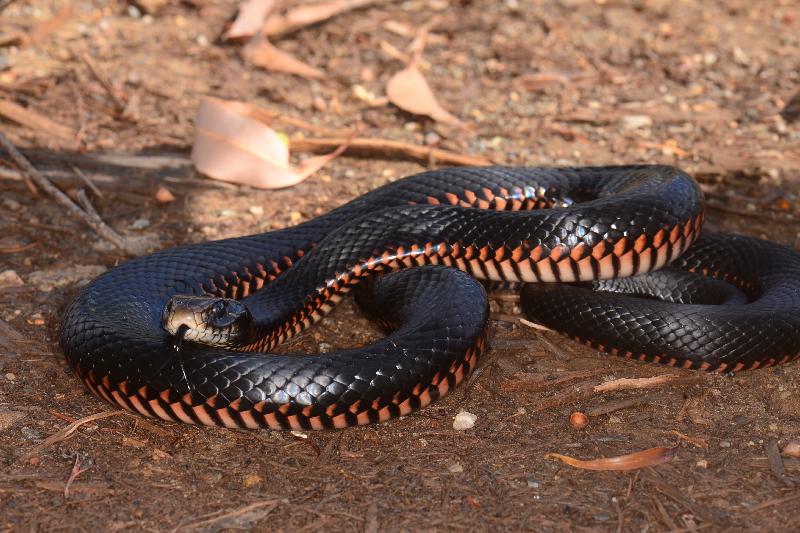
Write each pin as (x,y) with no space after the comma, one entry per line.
(206,319)
(180,312)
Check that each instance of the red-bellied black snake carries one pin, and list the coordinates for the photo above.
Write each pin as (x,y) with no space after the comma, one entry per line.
(182,334)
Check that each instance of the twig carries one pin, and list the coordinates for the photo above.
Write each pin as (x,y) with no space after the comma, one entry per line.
(89,183)
(610,407)
(776,463)
(645,383)
(388,148)
(96,223)
(35,121)
(112,93)
(533,325)
(76,471)
(63,434)
(243,516)
(774,501)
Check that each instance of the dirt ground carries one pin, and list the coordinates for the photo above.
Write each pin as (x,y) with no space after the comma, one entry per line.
(571,82)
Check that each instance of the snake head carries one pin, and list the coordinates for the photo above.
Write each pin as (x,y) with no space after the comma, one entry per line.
(208,320)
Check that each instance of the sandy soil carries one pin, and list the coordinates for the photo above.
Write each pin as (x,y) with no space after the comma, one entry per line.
(695,84)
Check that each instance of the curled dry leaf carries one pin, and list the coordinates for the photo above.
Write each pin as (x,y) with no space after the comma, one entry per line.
(164,195)
(633,461)
(260,52)
(309,14)
(233,143)
(249,19)
(409,91)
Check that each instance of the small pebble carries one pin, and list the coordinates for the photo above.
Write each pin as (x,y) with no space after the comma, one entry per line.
(11,377)
(29,433)
(635,122)
(455,468)
(9,278)
(139,223)
(724,444)
(324,347)
(792,449)
(702,463)
(532,483)
(464,420)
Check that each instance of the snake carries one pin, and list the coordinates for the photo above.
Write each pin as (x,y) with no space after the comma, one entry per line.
(611,256)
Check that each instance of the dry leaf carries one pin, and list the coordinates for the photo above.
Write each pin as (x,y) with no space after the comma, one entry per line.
(633,461)
(260,52)
(164,195)
(233,143)
(409,91)
(310,14)
(249,19)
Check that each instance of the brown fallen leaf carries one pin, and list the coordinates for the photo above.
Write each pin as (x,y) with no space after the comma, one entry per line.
(249,19)
(632,461)
(309,14)
(164,195)
(409,90)
(234,143)
(260,52)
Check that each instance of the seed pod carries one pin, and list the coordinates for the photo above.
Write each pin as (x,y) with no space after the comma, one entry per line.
(578,420)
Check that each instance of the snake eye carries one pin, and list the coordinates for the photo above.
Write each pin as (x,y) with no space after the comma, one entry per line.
(218,309)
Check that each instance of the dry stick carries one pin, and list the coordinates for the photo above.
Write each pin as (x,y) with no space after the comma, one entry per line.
(645,383)
(610,407)
(118,103)
(63,434)
(388,148)
(261,508)
(96,223)
(76,471)
(89,183)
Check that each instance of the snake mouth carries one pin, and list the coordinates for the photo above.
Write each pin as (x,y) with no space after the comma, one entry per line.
(207,320)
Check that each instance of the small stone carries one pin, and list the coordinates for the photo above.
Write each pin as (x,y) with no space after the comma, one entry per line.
(635,122)
(464,420)
(792,449)
(256,210)
(324,347)
(11,376)
(9,278)
(432,138)
(29,433)
(139,224)
(724,444)
(702,463)
(251,480)
(455,468)
(532,483)
(202,40)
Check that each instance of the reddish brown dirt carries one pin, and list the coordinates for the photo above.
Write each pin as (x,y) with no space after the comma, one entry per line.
(696,84)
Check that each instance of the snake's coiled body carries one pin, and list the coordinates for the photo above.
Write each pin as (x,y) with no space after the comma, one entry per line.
(589,224)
